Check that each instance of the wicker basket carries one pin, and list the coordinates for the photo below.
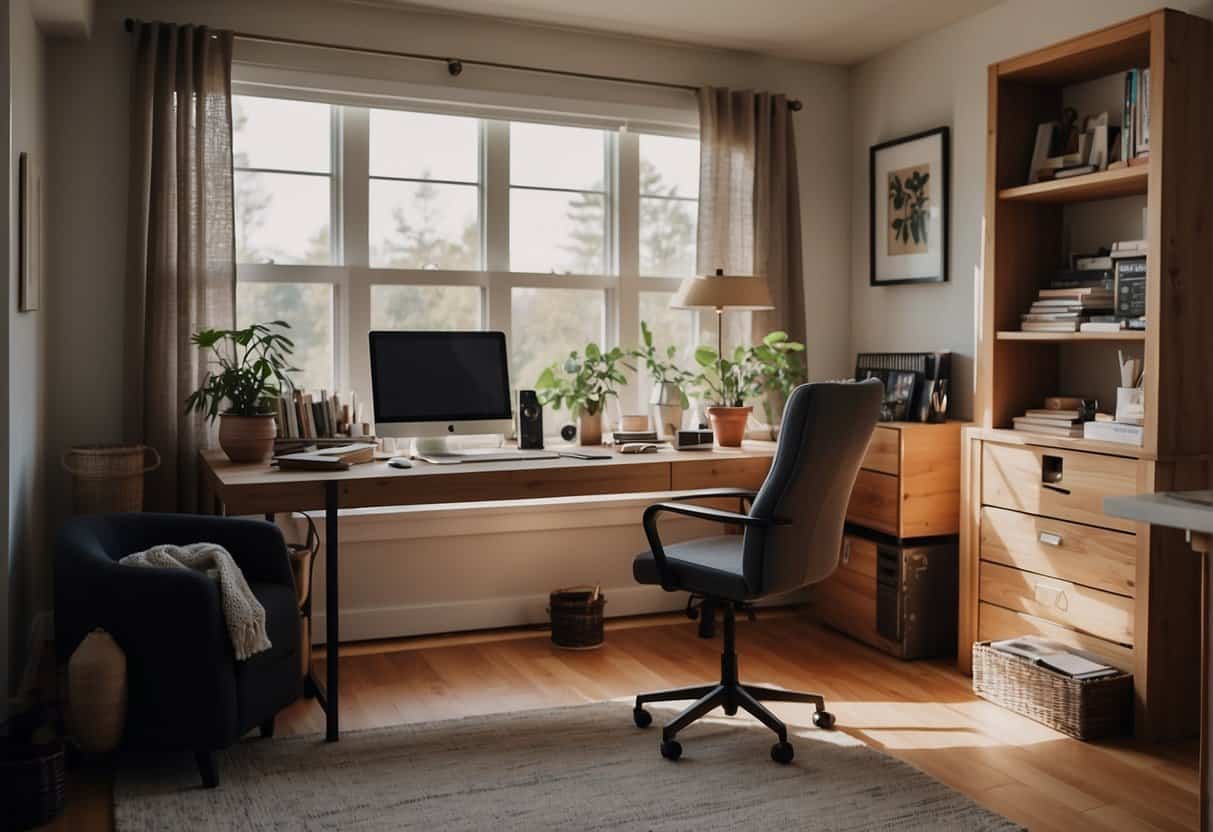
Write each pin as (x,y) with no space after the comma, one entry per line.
(32,779)
(108,478)
(1084,709)
(577,617)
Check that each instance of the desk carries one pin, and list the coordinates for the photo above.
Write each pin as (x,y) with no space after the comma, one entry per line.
(243,488)
(1197,520)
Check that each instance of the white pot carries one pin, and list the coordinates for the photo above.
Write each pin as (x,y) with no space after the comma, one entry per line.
(666,408)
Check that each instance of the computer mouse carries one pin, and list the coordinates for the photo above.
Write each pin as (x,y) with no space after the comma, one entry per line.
(400,462)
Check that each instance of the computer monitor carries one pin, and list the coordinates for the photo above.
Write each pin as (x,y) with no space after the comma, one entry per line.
(428,384)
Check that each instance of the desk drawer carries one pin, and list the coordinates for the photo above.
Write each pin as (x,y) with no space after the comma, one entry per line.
(1069,485)
(1093,557)
(884,451)
(719,472)
(1088,610)
(874,502)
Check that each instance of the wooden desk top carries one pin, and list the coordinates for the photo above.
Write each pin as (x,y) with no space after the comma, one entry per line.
(257,488)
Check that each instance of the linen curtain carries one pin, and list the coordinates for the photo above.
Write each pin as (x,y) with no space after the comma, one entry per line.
(749,199)
(181,259)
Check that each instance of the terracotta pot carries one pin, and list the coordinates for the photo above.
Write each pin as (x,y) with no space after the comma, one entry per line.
(589,428)
(247,438)
(728,423)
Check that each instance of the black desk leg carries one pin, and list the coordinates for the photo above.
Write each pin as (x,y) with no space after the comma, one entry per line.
(331,611)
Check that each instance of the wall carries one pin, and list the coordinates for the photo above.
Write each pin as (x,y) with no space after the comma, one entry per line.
(940,79)
(88,133)
(27,571)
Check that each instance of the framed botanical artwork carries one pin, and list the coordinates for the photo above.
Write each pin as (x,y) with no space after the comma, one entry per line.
(908,209)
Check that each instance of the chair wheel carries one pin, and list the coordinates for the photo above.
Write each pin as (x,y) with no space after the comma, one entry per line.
(823,720)
(730,711)
(671,749)
(641,717)
(782,753)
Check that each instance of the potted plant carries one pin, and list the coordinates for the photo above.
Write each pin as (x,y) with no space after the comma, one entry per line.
(583,385)
(668,399)
(251,372)
(780,369)
(751,373)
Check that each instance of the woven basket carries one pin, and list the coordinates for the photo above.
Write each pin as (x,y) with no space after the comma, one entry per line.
(1084,709)
(32,779)
(577,617)
(108,478)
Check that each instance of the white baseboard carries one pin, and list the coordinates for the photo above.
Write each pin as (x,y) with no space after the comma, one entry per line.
(492,613)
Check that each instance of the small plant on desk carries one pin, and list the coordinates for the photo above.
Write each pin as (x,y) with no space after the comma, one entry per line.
(248,369)
(584,384)
(773,366)
(669,398)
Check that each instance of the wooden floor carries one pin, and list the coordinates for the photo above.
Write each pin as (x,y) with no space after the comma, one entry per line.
(923,712)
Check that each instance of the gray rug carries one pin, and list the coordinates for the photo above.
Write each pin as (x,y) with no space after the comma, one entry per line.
(582,768)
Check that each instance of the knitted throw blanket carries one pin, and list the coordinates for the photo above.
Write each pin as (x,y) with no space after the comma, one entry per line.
(243,613)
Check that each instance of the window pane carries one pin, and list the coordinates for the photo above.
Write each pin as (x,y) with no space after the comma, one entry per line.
(423,225)
(547,156)
(548,324)
(670,327)
(308,308)
(669,166)
(556,232)
(280,134)
(424,146)
(667,237)
(425,307)
(282,218)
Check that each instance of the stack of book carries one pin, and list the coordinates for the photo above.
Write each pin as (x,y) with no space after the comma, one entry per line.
(1073,298)
(307,416)
(1135,132)
(621,437)
(1061,416)
(1056,657)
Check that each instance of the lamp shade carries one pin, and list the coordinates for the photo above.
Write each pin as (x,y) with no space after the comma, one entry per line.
(723,291)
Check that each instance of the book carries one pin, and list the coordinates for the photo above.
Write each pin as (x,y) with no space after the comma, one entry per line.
(1100,301)
(1081,170)
(338,458)
(1101,326)
(1074,432)
(1063,414)
(1092,262)
(1049,326)
(1130,245)
(1070,403)
(1049,423)
(1114,432)
(1077,292)
(1050,316)
(1055,656)
(1130,289)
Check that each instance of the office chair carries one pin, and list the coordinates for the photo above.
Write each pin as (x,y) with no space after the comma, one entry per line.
(792,537)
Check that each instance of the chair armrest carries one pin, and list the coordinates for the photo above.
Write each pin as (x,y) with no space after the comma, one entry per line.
(257,546)
(746,494)
(700,512)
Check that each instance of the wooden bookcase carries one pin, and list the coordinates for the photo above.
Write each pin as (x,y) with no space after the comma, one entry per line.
(1011,583)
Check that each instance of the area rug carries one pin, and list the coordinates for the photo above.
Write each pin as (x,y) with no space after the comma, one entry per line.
(584,768)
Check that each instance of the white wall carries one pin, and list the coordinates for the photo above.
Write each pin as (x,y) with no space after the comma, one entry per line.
(940,79)
(88,144)
(27,572)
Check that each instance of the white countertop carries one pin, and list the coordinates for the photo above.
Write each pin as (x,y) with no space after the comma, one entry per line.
(1191,510)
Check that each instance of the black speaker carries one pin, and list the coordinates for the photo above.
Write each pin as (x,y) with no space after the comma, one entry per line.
(530,421)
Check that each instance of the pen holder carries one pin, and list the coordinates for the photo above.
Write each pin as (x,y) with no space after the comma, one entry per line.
(1130,405)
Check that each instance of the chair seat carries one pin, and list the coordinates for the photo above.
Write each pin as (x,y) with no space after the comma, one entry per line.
(707,565)
(269,681)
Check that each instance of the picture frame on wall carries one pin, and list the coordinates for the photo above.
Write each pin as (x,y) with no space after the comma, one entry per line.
(30,240)
(908,186)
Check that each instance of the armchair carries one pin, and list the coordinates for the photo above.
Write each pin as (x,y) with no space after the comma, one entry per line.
(185,689)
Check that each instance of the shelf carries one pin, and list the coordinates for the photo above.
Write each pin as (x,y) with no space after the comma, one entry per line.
(1023,437)
(1071,337)
(1105,184)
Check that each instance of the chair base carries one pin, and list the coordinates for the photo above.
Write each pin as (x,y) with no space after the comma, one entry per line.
(730,695)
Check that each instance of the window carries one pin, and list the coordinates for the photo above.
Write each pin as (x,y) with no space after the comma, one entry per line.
(354,217)
(283,187)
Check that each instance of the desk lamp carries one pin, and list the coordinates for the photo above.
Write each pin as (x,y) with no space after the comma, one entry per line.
(720,292)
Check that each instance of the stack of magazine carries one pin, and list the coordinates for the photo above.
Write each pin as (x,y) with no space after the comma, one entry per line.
(1056,657)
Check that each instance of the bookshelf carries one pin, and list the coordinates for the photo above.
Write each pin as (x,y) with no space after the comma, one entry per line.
(1052,481)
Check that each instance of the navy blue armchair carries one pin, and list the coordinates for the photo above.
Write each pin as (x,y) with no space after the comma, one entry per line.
(185,688)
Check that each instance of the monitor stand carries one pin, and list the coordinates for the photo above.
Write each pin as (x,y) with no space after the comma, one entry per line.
(435,445)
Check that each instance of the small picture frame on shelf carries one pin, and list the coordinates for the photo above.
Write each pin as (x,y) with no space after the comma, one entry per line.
(908,209)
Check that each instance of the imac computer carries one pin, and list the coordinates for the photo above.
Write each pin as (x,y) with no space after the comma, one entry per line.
(431,386)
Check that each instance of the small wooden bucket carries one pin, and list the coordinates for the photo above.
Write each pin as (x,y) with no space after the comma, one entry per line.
(577,617)
(108,478)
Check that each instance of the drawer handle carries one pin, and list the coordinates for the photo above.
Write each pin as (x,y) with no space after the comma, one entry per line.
(1056,488)
(1052,595)
(1050,538)
(846,551)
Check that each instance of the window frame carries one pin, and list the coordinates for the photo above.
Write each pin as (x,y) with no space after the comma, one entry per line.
(352,276)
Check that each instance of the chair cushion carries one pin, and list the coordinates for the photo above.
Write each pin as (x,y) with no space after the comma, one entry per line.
(269,681)
(708,565)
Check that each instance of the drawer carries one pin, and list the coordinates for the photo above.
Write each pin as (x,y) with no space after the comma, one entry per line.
(1069,485)
(846,601)
(719,472)
(884,451)
(996,623)
(1085,555)
(1091,611)
(874,502)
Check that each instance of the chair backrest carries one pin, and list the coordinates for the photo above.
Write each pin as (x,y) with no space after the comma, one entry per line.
(822,441)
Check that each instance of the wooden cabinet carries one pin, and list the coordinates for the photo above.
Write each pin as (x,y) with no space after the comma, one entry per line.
(895,586)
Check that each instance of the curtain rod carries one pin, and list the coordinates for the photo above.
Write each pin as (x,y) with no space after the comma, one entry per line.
(455,65)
